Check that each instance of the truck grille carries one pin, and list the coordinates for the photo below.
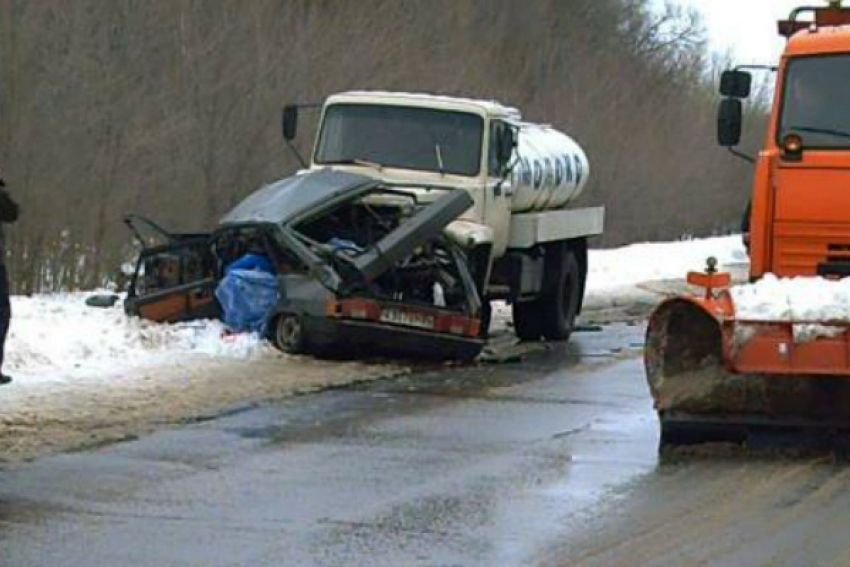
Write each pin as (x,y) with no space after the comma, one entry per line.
(800,249)
(838,253)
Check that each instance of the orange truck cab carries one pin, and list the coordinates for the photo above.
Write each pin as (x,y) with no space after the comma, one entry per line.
(799,223)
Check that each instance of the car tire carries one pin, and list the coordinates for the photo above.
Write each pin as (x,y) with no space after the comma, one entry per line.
(289,335)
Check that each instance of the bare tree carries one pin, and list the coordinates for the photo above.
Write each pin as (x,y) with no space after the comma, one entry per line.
(171,108)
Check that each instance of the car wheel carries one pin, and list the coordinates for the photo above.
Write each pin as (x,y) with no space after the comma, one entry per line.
(289,334)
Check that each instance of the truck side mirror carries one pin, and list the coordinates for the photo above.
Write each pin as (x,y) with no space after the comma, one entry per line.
(729,122)
(736,84)
(290,122)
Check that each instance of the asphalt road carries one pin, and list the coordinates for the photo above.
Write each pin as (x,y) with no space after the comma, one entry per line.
(551,461)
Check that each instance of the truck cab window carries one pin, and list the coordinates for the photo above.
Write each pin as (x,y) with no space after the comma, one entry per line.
(815,101)
(405,137)
(497,129)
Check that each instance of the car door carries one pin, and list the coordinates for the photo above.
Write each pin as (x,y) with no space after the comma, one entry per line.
(175,279)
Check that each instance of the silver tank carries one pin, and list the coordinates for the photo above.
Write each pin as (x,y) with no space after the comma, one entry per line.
(551,169)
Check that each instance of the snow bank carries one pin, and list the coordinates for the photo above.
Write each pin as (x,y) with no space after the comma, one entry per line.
(635,278)
(654,261)
(54,336)
(646,262)
(615,274)
(57,337)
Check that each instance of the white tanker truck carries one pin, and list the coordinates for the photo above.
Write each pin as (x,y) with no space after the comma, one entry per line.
(523,242)
(415,213)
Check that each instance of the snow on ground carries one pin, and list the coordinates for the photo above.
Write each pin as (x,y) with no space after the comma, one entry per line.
(626,283)
(631,280)
(625,267)
(57,337)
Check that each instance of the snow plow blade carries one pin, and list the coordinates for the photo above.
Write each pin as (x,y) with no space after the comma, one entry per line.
(715,379)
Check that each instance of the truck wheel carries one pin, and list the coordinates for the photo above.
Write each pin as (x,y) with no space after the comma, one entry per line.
(560,305)
(289,334)
(527,320)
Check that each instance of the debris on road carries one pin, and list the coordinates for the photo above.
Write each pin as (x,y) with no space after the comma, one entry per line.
(505,349)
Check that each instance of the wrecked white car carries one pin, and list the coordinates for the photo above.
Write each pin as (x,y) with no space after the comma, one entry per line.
(358,265)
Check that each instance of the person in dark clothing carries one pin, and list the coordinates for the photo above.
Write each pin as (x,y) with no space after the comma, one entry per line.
(8,214)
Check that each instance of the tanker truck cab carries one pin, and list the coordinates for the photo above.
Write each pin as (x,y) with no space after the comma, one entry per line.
(427,143)
(522,240)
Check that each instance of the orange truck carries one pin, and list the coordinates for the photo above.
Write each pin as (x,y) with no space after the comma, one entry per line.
(715,376)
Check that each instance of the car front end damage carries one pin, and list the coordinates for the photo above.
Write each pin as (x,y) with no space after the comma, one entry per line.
(360,324)
(360,266)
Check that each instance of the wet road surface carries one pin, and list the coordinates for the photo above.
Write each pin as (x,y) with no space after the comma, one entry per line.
(547,462)
(731,511)
(472,466)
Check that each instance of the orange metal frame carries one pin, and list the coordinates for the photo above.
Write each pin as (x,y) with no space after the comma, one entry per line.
(770,347)
(773,349)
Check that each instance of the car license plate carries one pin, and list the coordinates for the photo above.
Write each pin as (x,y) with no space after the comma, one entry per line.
(407,318)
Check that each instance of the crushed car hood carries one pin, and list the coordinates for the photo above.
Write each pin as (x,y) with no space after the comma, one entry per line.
(284,200)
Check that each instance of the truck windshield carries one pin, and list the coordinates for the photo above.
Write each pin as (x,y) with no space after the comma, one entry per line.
(401,136)
(817,101)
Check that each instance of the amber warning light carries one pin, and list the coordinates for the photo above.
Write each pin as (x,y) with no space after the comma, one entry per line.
(792,144)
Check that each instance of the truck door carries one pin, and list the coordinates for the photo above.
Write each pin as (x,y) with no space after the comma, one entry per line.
(498,193)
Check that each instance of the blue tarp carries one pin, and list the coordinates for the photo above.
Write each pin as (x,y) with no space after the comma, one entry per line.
(251,262)
(340,245)
(247,296)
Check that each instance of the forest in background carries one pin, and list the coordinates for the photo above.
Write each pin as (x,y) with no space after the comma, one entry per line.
(171,108)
